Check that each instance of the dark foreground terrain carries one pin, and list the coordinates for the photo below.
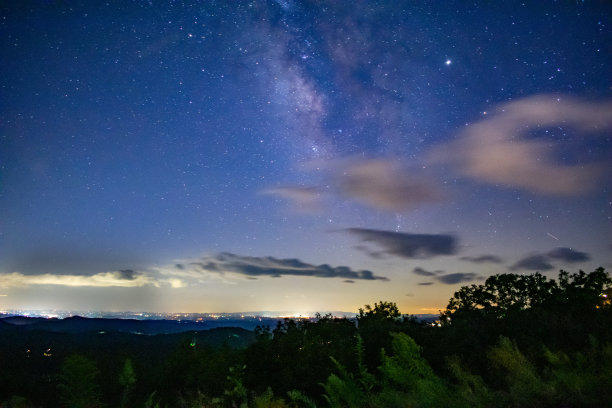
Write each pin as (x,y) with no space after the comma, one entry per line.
(514,341)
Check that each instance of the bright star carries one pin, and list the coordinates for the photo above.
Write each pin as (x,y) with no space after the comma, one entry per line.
(448,62)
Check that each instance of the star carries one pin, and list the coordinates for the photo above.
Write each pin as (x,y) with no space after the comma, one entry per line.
(191,135)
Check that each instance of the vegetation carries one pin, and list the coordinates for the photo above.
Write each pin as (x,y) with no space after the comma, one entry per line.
(514,341)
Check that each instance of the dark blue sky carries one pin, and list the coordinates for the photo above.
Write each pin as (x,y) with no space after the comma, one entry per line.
(297,155)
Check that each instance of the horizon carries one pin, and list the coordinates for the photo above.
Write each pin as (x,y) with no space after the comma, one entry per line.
(61,314)
(298,156)
(96,313)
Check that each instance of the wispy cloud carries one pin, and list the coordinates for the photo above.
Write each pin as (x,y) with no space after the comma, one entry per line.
(407,245)
(536,262)
(106,279)
(386,185)
(482,259)
(383,184)
(568,255)
(445,278)
(304,199)
(269,266)
(544,261)
(498,150)
(422,272)
(192,272)
(459,277)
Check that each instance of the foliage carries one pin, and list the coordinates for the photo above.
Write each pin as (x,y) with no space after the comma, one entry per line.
(380,311)
(375,325)
(77,383)
(16,401)
(469,387)
(296,355)
(506,293)
(581,378)
(268,400)
(344,390)
(408,374)
(532,310)
(236,393)
(152,401)
(299,399)
(514,341)
(525,386)
(406,380)
(127,378)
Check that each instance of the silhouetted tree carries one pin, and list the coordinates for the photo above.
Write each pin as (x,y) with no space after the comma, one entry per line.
(78,383)
(375,326)
(507,293)
(298,355)
(531,310)
(499,296)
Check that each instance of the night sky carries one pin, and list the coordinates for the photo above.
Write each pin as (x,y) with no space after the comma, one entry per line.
(212,156)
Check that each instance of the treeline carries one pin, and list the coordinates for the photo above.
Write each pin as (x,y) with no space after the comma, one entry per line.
(514,341)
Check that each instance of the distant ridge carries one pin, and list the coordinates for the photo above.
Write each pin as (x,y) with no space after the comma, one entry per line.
(79,324)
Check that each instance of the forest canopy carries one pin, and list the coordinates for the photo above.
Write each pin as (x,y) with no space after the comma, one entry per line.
(513,341)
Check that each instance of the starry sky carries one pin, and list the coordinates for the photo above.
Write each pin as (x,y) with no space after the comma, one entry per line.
(221,156)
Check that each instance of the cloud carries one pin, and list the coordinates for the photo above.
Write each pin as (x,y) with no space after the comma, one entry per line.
(537,262)
(543,261)
(407,245)
(568,255)
(304,199)
(420,271)
(453,278)
(105,279)
(504,150)
(386,185)
(200,271)
(383,184)
(448,279)
(498,150)
(175,283)
(273,267)
(127,274)
(482,259)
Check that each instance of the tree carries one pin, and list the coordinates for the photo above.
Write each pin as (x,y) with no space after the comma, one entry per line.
(296,355)
(380,311)
(501,294)
(530,310)
(584,290)
(375,325)
(406,380)
(127,378)
(349,390)
(77,383)
(504,294)
(407,377)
